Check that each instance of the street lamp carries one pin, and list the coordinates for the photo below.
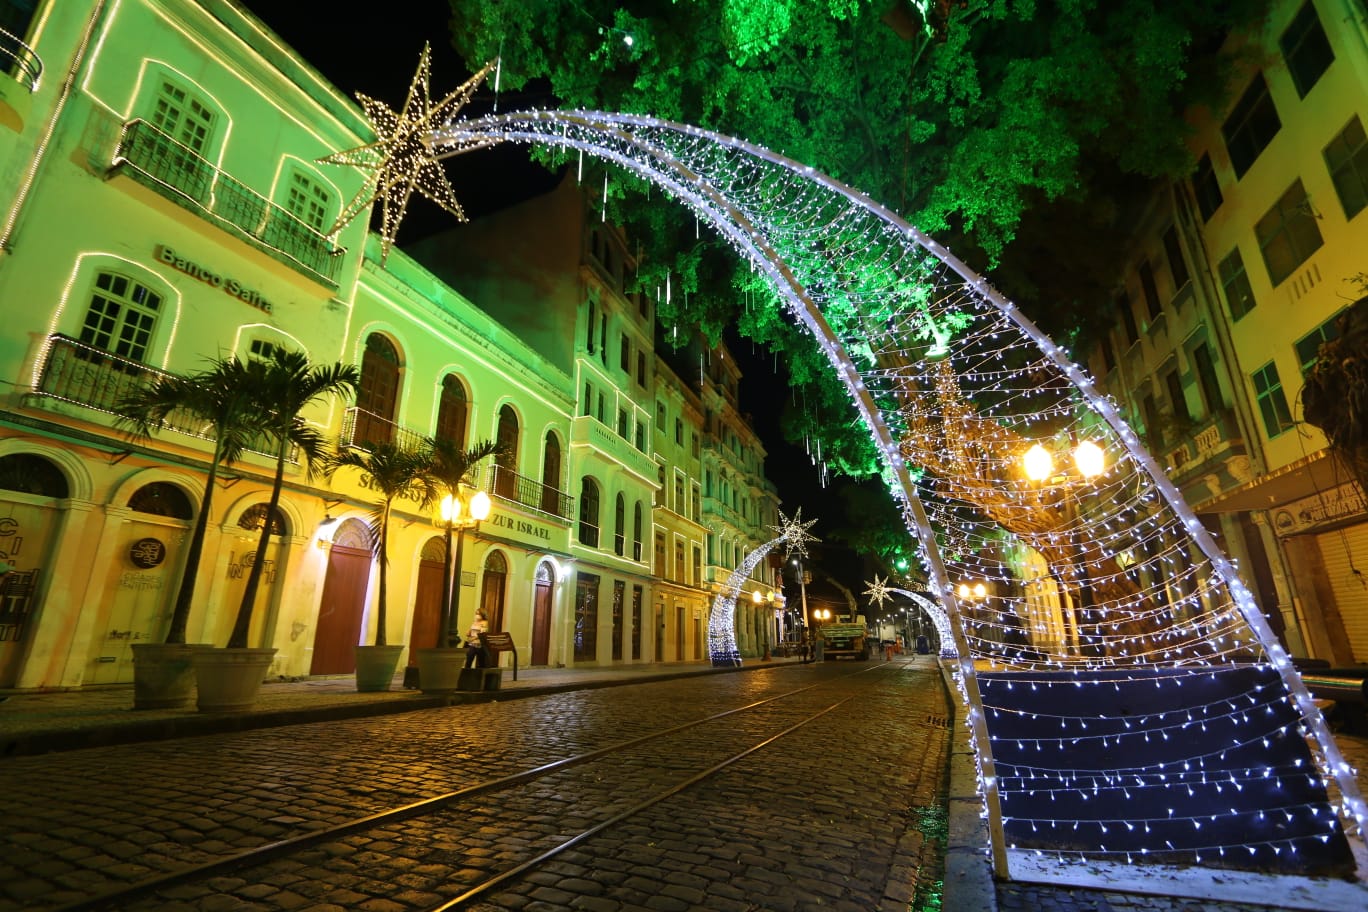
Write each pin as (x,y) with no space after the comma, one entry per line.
(802,589)
(1090,462)
(460,513)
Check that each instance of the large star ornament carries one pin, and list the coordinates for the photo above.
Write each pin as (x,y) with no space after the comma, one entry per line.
(401,160)
(794,533)
(878,591)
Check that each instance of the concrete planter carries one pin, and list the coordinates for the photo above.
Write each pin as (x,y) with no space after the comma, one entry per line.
(375,667)
(229,679)
(164,675)
(439,669)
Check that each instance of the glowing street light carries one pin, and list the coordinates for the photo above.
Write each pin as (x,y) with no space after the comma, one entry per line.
(461,514)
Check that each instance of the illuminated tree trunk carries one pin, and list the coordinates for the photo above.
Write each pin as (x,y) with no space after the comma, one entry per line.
(976,461)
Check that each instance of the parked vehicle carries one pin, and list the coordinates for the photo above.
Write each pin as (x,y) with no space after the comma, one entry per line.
(845,640)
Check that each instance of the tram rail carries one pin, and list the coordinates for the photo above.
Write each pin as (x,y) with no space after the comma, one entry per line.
(449,810)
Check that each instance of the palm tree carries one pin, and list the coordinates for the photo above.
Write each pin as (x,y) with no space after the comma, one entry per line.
(1335,396)
(395,472)
(216,403)
(284,385)
(447,468)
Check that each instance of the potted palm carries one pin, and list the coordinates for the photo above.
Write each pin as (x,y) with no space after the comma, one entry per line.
(283,385)
(215,403)
(447,470)
(396,473)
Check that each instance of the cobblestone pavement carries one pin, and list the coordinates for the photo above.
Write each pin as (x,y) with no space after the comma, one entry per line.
(78,822)
(831,817)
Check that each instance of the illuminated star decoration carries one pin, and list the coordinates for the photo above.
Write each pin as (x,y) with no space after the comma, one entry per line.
(878,591)
(794,533)
(400,160)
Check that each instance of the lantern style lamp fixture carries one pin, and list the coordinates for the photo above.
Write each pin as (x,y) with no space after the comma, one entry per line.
(460,514)
(977,590)
(1088,457)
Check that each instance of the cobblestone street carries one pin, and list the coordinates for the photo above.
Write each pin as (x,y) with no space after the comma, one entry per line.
(826,817)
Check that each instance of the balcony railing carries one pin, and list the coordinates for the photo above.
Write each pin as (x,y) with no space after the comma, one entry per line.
(361,428)
(177,172)
(19,60)
(509,485)
(96,379)
(588,431)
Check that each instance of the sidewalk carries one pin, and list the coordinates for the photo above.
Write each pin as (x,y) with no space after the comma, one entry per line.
(37,723)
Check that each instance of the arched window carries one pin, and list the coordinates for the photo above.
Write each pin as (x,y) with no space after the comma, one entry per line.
(589,512)
(378,392)
(451,412)
(636,531)
(620,526)
(253,517)
(161,498)
(551,472)
(506,462)
(32,474)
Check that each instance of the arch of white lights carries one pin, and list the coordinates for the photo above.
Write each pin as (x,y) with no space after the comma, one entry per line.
(722,648)
(953,382)
(938,617)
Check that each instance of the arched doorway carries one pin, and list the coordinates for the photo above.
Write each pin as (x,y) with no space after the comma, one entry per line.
(378,392)
(240,557)
(343,602)
(427,601)
(551,475)
(492,590)
(506,459)
(141,582)
(27,538)
(542,592)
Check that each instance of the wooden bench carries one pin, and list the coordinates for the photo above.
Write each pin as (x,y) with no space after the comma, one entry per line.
(495,643)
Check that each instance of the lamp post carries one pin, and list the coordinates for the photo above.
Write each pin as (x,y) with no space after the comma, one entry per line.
(1090,462)
(462,513)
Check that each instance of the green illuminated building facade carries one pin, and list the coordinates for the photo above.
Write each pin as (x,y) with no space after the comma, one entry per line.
(161,205)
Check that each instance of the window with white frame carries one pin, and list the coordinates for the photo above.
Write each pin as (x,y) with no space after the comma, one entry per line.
(121,316)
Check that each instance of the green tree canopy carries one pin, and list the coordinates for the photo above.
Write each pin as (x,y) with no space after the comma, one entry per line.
(1016,132)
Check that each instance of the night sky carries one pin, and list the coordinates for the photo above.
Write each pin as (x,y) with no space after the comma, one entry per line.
(378,55)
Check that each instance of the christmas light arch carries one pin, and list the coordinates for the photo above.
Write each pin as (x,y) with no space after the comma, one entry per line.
(879,592)
(1133,596)
(722,648)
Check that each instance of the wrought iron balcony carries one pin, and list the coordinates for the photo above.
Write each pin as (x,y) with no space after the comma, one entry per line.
(361,428)
(19,60)
(83,375)
(519,489)
(157,161)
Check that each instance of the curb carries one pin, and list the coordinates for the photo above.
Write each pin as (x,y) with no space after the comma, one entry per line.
(191,724)
(968,882)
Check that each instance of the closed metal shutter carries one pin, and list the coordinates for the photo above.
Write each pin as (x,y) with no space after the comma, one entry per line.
(1345,551)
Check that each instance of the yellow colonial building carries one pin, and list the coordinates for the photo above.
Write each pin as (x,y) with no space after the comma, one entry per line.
(1236,276)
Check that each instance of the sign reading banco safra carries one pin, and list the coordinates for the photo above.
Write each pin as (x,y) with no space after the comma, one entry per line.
(209,277)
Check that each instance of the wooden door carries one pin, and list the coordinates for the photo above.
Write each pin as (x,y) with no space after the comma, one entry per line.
(427,604)
(541,617)
(343,602)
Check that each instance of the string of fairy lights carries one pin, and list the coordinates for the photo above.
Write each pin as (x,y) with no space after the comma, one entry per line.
(1095,589)
(793,534)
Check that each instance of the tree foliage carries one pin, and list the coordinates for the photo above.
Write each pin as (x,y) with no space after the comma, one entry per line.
(1015,131)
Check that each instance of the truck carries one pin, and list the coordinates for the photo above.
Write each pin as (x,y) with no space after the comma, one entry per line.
(845,640)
